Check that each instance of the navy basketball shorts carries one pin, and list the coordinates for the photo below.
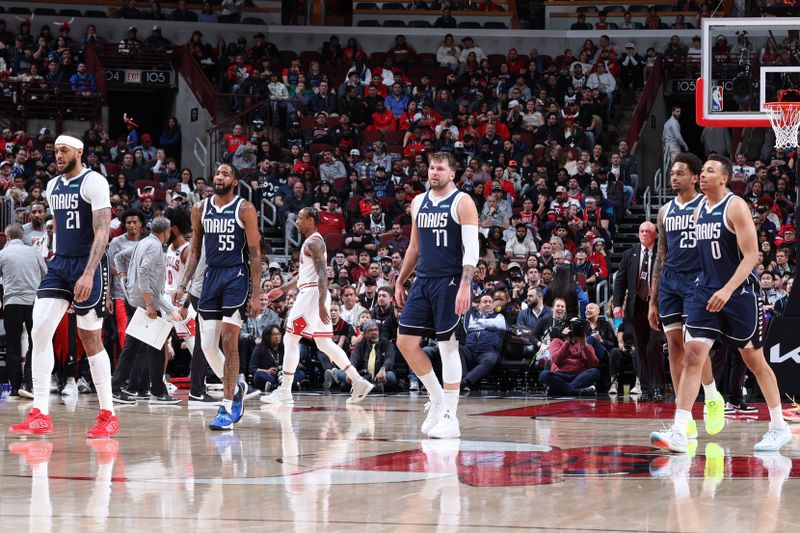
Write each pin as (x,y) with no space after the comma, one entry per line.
(430,309)
(674,288)
(740,323)
(62,275)
(225,291)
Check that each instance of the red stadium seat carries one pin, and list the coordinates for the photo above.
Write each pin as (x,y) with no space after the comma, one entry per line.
(386,237)
(371,136)
(352,204)
(112,169)
(307,122)
(394,137)
(318,148)
(333,241)
(339,184)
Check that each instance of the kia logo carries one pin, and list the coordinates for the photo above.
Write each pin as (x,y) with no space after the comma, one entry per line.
(776,357)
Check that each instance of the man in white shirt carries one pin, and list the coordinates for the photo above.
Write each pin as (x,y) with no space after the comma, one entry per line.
(469,46)
(603,81)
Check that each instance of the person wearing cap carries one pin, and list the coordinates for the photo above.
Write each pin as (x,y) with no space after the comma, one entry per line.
(156,39)
(131,42)
(330,219)
(631,68)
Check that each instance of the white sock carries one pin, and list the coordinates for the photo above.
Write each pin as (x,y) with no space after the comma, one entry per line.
(776,418)
(450,398)
(228,405)
(431,383)
(339,358)
(100,365)
(241,379)
(288,381)
(710,390)
(682,418)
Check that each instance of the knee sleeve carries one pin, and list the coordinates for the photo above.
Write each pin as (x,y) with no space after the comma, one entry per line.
(451,361)
(291,352)
(47,314)
(210,331)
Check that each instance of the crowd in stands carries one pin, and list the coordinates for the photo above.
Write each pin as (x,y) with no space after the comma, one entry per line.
(351,135)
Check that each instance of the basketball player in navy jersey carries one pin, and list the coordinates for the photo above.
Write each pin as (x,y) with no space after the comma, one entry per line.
(444,250)
(674,273)
(725,304)
(78,275)
(226,226)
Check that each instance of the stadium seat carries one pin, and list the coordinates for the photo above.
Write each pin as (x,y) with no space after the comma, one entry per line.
(318,148)
(386,237)
(613,26)
(394,24)
(638,9)
(495,26)
(286,56)
(426,58)
(377,58)
(69,13)
(339,184)
(307,123)
(419,24)
(496,59)
(614,9)
(333,241)
(308,56)
(96,14)
(386,203)
(112,169)
(660,8)
(44,11)
(371,136)
(393,5)
(253,20)
(366,5)
(394,137)
(352,204)
(15,10)
(469,25)
(586,9)
(368,23)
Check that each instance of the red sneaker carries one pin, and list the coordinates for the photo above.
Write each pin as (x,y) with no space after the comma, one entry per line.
(105,450)
(106,426)
(34,452)
(35,423)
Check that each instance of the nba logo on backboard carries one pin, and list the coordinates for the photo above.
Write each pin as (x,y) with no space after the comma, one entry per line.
(716,98)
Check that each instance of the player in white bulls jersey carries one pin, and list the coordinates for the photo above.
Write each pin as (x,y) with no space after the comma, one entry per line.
(309,316)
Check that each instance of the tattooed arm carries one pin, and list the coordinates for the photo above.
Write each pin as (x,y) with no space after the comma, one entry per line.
(101,223)
(253,235)
(658,267)
(316,249)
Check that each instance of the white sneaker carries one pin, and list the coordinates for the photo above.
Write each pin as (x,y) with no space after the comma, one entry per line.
(359,391)
(71,388)
(434,411)
(672,440)
(279,396)
(447,428)
(773,440)
(414,386)
(83,386)
(637,387)
(612,389)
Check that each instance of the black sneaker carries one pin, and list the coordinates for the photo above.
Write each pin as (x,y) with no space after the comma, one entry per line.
(742,407)
(123,397)
(657,396)
(251,393)
(164,399)
(203,400)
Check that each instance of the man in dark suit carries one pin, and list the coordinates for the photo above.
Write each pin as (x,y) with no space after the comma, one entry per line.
(631,299)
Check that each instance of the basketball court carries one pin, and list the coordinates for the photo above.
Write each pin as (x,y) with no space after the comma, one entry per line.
(521,464)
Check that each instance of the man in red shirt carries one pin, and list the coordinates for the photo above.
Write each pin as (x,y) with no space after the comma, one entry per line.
(515,64)
(234,139)
(330,221)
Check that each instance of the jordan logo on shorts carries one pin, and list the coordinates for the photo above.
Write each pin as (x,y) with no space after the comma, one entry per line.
(299,324)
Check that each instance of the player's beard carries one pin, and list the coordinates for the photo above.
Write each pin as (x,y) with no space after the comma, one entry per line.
(69,167)
(222,190)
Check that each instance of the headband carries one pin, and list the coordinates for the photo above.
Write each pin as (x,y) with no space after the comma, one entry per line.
(69,140)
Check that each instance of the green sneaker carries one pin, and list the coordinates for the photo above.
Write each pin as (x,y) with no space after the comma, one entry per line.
(691,430)
(715,414)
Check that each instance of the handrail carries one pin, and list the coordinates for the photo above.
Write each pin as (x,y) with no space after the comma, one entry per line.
(248,190)
(197,81)
(646,200)
(641,113)
(601,288)
(291,225)
(201,158)
(267,220)
(95,66)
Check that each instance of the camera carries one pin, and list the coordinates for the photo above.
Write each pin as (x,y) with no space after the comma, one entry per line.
(577,327)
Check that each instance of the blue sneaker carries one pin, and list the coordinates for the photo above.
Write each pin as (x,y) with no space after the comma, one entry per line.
(222,422)
(237,408)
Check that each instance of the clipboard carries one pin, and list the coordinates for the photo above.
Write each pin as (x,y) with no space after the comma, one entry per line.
(150,331)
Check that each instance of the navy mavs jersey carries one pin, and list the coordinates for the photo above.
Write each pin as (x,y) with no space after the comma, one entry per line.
(716,244)
(73,217)
(681,243)
(440,246)
(224,238)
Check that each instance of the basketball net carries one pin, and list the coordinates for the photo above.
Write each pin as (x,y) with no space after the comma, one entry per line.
(784,116)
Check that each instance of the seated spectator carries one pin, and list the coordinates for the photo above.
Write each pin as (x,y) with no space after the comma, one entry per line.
(522,245)
(402,53)
(480,353)
(581,24)
(183,14)
(574,364)
(374,358)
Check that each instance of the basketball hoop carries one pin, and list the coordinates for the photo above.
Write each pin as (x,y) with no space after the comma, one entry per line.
(784,116)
